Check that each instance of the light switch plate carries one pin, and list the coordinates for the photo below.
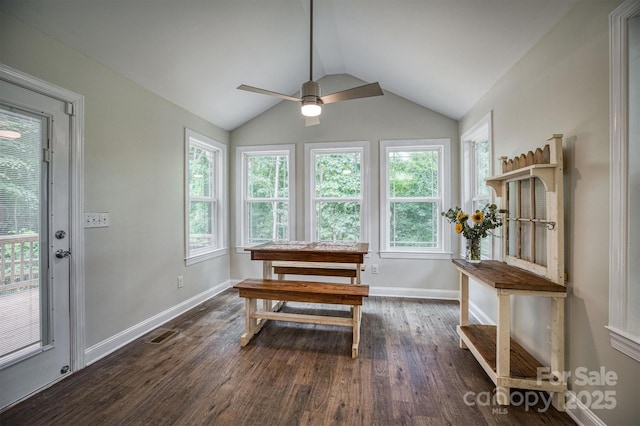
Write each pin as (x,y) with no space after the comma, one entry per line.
(96,220)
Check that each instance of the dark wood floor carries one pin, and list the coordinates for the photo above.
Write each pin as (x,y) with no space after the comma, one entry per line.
(410,372)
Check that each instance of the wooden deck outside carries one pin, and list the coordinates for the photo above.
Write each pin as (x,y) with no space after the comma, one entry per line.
(19,295)
(19,321)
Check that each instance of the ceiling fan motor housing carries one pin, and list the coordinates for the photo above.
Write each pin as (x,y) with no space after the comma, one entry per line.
(310,96)
(310,93)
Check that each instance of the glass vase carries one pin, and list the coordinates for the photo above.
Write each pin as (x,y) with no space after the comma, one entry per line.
(473,250)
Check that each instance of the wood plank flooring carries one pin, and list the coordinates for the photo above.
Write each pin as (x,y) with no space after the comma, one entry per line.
(410,371)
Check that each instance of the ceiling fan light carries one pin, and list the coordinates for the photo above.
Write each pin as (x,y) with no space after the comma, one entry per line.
(311,109)
(9,134)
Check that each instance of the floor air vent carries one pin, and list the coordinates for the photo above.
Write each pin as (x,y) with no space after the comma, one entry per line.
(163,336)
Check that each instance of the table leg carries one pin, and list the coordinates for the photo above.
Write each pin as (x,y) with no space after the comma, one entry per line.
(356,331)
(250,323)
(503,347)
(464,303)
(267,274)
(557,350)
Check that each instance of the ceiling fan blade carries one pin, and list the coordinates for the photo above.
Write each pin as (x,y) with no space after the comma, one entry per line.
(311,121)
(368,90)
(268,92)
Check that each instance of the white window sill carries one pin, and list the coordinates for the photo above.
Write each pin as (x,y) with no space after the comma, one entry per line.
(205,256)
(414,255)
(624,342)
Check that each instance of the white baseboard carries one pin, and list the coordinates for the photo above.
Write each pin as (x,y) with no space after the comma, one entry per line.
(580,413)
(113,343)
(417,293)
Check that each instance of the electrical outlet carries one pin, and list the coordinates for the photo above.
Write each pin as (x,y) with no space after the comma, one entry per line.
(180,282)
(374,268)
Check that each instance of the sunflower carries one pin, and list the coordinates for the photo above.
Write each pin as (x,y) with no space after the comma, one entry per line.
(459,228)
(477,217)
(461,216)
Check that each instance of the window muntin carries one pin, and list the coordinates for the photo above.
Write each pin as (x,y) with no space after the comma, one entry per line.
(266,193)
(336,176)
(414,191)
(205,159)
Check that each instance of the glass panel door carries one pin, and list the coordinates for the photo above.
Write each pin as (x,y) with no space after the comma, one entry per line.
(23,288)
(35,250)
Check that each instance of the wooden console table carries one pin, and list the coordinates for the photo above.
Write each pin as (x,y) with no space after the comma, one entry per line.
(504,360)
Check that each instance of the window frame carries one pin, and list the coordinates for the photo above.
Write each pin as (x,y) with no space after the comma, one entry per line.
(241,187)
(622,337)
(468,175)
(443,248)
(219,197)
(336,147)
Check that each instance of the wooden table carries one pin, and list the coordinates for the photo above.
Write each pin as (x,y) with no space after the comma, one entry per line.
(303,251)
(307,252)
(308,258)
(506,362)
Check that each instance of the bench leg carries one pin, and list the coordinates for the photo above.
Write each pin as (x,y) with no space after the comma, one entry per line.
(356,330)
(250,323)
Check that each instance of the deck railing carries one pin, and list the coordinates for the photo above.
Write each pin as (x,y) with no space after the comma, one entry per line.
(19,261)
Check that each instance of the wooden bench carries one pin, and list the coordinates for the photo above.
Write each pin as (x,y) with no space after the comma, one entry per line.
(324,269)
(301,291)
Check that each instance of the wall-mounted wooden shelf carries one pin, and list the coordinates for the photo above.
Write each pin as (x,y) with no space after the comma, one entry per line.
(545,172)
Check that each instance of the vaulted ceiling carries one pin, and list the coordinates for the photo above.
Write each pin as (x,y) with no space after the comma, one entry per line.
(441,54)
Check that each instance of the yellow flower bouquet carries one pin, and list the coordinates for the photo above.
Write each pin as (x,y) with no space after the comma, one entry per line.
(475,227)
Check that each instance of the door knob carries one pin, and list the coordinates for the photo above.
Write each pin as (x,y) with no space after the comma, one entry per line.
(61,254)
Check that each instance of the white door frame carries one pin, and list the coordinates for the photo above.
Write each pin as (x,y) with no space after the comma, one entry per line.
(76,207)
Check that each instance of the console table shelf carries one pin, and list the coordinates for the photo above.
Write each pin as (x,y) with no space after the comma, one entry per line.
(523,366)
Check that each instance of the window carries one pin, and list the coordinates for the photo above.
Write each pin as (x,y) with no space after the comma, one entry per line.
(624,244)
(337,187)
(414,190)
(205,160)
(266,193)
(476,167)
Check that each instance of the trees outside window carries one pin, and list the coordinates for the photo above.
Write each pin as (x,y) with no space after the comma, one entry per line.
(204,212)
(414,190)
(266,190)
(336,196)
(20,169)
(476,167)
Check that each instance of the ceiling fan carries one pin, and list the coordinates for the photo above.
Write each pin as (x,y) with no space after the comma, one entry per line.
(310,99)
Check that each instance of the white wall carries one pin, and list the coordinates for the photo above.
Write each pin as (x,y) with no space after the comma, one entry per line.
(373,119)
(133,170)
(562,86)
